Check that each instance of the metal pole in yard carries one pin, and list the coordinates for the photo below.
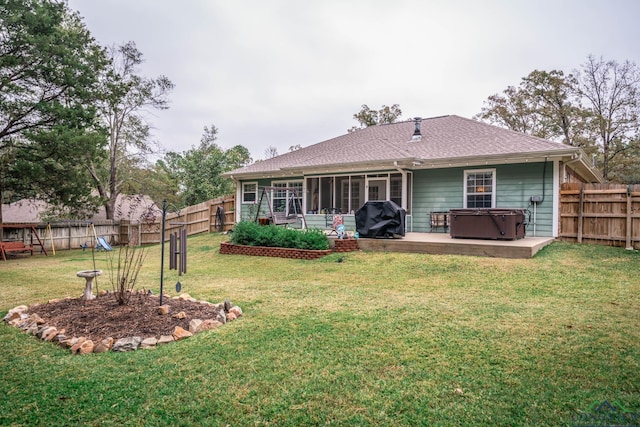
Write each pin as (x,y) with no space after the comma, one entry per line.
(164,215)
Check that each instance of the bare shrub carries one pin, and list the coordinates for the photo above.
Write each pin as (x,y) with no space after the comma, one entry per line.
(124,274)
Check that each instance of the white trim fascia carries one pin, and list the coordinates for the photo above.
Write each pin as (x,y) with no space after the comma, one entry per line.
(414,164)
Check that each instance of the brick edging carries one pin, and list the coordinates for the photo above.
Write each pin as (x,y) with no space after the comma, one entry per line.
(345,245)
(308,254)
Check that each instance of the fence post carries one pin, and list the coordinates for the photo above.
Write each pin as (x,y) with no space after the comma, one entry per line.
(580,212)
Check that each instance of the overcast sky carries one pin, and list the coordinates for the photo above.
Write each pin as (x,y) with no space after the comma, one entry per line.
(286,72)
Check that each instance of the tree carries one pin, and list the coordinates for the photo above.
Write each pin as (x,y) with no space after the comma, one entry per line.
(51,169)
(550,97)
(270,152)
(612,93)
(368,117)
(510,110)
(155,181)
(626,166)
(543,105)
(125,97)
(49,66)
(596,108)
(198,170)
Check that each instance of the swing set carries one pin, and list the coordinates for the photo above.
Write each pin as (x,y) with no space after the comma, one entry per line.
(20,245)
(100,242)
(289,215)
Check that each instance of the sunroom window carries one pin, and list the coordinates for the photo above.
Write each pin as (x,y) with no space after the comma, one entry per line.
(347,193)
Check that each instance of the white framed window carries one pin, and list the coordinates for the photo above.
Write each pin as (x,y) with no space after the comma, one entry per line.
(249,192)
(480,188)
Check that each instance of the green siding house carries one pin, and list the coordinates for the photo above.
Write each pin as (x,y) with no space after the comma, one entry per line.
(424,165)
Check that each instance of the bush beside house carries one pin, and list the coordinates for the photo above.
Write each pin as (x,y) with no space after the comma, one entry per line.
(253,234)
(250,238)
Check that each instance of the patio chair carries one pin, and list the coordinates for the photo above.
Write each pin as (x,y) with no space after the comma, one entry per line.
(439,219)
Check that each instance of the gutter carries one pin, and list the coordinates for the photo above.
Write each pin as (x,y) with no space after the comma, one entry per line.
(411,163)
(574,160)
(584,168)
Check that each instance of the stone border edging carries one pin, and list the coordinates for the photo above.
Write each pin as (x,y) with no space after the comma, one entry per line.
(33,324)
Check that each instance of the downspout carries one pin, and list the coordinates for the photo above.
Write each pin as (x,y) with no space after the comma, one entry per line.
(536,200)
(544,173)
(404,184)
(572,161)
(555,198)
(238,201)
(404,191)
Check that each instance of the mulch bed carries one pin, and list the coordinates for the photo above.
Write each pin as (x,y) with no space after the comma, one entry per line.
(103,318)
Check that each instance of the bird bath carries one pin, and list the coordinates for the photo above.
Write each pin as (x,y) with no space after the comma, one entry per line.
(88,275)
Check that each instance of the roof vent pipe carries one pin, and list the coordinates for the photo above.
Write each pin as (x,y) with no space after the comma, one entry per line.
(417,136)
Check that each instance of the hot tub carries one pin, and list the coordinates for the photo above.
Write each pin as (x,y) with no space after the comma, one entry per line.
(492,224)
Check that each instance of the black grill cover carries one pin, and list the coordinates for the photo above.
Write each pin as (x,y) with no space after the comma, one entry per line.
(380,218)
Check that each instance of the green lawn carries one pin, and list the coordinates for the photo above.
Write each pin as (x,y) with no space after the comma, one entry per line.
(377,339)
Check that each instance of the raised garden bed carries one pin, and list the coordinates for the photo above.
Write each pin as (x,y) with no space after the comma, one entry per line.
(231,249)
(346,245)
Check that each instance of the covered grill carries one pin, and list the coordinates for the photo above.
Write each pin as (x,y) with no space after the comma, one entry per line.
(495,224)
(380,218)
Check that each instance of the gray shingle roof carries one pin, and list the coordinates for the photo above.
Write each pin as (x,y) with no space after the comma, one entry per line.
(446,137)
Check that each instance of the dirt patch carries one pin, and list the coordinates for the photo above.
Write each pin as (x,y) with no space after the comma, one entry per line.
(103,318)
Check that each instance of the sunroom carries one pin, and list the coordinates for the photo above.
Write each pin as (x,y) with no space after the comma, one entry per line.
(320,197)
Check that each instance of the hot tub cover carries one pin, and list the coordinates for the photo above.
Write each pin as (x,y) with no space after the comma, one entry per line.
(494,224)
(380,218)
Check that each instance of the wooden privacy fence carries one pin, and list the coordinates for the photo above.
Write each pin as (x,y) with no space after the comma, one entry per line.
(606,214)
(66,234)
(214,215)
